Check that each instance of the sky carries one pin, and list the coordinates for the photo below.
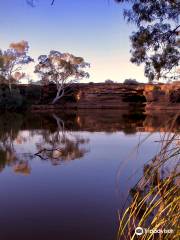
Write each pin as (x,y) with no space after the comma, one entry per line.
(93,29)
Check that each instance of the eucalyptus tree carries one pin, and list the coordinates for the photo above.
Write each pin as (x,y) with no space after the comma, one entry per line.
(12,61)
(62,69)
(156,43)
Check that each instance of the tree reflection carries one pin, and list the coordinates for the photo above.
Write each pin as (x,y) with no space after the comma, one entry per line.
(9,136)
(9,155)
(61,145)
(22,167)
(19,147)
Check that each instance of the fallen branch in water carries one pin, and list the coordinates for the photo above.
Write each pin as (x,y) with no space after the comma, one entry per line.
(39,154)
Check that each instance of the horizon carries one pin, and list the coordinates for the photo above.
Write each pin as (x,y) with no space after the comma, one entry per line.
(77,28)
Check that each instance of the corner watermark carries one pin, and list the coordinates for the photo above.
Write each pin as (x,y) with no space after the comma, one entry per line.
(139,231)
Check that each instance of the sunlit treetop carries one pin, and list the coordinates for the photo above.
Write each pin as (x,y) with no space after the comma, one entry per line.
(62,69)
(59,67)
(12,60)
(20,47)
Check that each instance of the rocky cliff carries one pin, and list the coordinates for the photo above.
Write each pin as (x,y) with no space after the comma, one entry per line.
(98,96)
(162,97)
(150,97)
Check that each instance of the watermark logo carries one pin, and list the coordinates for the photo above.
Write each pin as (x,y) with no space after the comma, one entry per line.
(139,231)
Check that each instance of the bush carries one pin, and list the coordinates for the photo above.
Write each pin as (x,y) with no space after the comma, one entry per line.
(10,100)
(33,94)
(109,81)
(131,81)
(20,97)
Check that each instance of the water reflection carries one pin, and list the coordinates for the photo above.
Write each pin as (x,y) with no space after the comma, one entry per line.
(10,125)
(94,144)
(61,145)
(55,137)
(55,144)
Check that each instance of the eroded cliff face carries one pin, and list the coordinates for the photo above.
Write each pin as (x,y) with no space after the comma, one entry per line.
(110,96)
(97,96)
(149,97)
(162,96)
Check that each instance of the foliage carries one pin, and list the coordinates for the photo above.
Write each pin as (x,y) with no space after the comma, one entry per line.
(156,42)
(20,97)
(130,81)
(109,81)
(10,100)
(12,60)
(32,94)
(63,69)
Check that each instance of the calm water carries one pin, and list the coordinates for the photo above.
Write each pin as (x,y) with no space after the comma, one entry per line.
(64,176)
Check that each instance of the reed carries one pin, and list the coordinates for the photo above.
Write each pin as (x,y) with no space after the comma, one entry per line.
(155,199)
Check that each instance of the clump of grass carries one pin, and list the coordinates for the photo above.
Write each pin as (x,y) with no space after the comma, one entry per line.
(155,199)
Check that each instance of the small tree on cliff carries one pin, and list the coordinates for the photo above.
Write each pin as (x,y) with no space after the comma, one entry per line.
(12,60)
(156,42)
(63,69)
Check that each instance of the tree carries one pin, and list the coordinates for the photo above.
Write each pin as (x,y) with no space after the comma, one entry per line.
(130,81)
(32,2)
(109,81)
(12,60)
(156,42)
(62,69)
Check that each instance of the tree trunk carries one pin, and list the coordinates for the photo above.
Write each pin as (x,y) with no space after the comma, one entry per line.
(55,100)
(10,88)
(58,96)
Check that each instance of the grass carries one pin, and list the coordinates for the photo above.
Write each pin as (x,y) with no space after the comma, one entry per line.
(155,199)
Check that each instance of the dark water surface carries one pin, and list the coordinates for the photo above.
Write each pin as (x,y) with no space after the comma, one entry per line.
(64,176)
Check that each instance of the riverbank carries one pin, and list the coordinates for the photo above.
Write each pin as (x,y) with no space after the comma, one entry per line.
(147,97)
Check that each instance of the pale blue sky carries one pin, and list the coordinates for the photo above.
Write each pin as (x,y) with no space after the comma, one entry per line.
(94,29)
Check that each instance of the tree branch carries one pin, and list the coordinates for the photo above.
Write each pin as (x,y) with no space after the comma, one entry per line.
(52,2)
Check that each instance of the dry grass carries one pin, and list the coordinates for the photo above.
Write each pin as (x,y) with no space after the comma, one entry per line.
(155,199)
